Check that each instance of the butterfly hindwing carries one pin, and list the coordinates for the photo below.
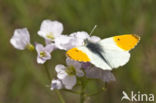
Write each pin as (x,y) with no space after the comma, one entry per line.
(114,55)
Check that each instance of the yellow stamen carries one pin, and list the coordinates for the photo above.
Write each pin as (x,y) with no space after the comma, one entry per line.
(50,36)
(42,54)
(71,70)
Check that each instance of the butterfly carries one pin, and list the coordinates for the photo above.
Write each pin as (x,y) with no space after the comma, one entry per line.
(106,54)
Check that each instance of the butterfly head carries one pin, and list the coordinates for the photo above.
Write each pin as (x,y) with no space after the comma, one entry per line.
(86,41)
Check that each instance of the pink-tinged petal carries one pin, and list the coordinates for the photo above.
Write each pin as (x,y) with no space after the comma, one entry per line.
(108,76)
(81,35)
(94,39)
(42,34)
(50,47)
(56,84)
(39,48)
(61,73)
(79,72)
(59,68)
(47,41)
(79,38)
(44,53)
(69,82)
(40,60)
(96,73)
(64,42)
(20,38)
(86,65)
(77,65)
(50,27)
(71,62)
(93,72)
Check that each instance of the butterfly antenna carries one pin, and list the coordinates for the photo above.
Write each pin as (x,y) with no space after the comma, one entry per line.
(92,30)
(86,41)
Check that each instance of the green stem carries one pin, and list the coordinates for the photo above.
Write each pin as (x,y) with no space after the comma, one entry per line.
(82,94)
(47,72)
(75,92)
(49,78)
(60,96)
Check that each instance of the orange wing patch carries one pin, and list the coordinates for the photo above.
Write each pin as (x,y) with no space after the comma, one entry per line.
(126,42)
(77,55)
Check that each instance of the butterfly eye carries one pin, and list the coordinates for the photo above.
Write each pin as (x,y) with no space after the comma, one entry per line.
(118,39)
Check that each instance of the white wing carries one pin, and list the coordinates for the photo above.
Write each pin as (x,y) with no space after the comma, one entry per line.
(114,55)
(95,59)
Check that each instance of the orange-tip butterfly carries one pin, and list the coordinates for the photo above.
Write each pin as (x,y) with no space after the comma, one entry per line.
(106,54)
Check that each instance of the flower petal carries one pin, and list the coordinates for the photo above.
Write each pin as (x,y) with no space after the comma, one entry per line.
(79,72)
(47,41)
(108,76)
(20,39)
(94,39)
(44,53)
(64,42)
(71,62)
(50,47)
(79,38)
(50,27)
(81,35)
(39,48)
(69,82)
(40,60)
(86,65)
(77,65)
(97,73)
(56,84)
(60,69)
(93,72)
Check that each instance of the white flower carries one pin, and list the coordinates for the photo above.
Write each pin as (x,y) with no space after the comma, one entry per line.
(21,39)
(96,73)
(44,53)
(94,39)
(76,39)
(77,65)
(80,34)
(68,74)
(56,84)
(108,76)
(49,30)
(81,37)
(64,42)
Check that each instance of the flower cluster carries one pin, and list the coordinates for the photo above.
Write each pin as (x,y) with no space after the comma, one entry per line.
(52,32)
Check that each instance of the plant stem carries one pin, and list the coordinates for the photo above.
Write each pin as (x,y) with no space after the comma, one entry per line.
(82,94)
(75,92)
(47,72)
(49,78)
(60,96)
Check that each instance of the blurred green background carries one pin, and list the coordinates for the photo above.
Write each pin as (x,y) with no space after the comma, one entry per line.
(22,80)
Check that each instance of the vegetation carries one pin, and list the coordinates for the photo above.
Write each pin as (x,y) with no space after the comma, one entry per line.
(22,80)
